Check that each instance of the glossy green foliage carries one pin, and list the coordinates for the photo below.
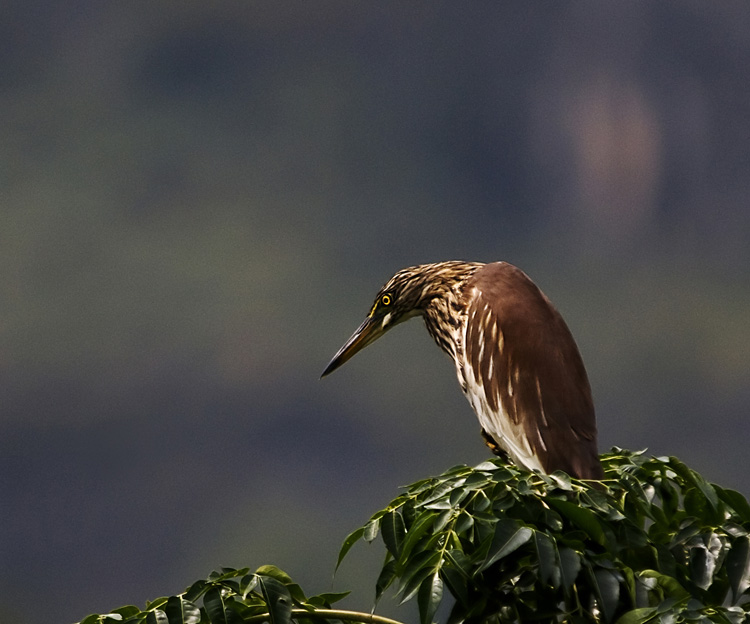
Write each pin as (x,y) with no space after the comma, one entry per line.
(229,596)
(654,542)
(659,544)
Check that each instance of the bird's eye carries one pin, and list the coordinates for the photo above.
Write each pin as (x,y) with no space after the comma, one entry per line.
(386,300)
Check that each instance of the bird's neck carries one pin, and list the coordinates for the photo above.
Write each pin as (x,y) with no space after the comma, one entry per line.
(445,334)
(444,309)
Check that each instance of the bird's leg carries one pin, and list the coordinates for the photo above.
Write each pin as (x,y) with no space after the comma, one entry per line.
(494,446)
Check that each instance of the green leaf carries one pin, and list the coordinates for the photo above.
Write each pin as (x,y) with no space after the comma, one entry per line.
(370,531)
(630,585)
(327,598)
(460,561)
(736,501)
(393,531)
(607,588)
(181,611)
(561,480)
(409,514)
(277,599)
(226,577)
(480,502)
(486,466)
(696,503)
(464,523)
(476,480)
(704,553)
(248,583)
(441,491)
(501,474)
(637,616)
(738,566)
(456,581)
(693,477)
(385,578)
(598,500)
(350,540)
(441,504)
(157,616)
(420,567)
(429,598)
(215,604)
(458,470)
(670,499)
(670,586)
(274,572)
(690,528)
(295,591)
(422,524)
(196,590)
(509,536)
(126,612)
(421,486)
(549,570)
(570,566)
(581,517)
(443,519)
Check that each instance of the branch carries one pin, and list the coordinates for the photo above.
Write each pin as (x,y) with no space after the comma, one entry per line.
(335,614)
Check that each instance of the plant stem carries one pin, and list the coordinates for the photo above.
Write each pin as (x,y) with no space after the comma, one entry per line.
(333,614)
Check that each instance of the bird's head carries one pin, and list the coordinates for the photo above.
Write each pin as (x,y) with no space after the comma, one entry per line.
(405,295)
(396,302)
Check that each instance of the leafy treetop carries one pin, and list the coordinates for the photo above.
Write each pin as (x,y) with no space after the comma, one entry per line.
(653,542)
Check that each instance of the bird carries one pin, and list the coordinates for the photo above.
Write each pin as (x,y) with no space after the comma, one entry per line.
(516,360)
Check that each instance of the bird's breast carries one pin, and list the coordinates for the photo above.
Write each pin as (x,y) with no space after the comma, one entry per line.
(510,436)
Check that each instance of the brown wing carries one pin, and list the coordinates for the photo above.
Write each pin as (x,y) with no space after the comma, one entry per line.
(524,359)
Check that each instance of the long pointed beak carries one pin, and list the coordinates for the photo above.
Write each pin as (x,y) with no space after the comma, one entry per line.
(368,332)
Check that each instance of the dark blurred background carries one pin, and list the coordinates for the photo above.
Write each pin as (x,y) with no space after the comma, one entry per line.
(200,200)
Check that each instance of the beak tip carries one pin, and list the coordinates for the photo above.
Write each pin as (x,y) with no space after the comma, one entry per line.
(366,333)
(332,365)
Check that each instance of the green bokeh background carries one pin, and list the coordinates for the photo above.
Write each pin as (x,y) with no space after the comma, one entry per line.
(198,202)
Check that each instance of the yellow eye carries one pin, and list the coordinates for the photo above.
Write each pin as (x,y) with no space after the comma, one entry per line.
(385,300)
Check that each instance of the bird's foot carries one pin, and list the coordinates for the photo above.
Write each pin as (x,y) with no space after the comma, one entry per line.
(494,446)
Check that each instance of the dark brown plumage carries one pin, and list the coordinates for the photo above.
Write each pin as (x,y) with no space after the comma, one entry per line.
(515,358)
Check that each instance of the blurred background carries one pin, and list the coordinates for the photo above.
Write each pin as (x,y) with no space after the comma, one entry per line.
(198,202)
